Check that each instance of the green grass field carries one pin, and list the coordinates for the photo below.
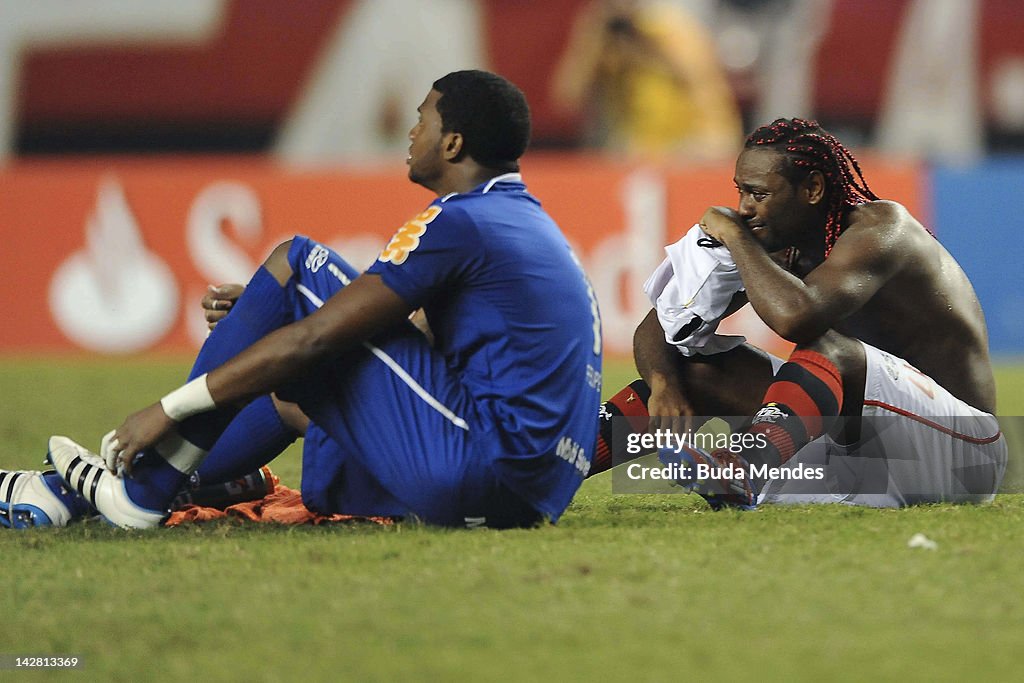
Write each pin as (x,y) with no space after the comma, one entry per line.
(626,587)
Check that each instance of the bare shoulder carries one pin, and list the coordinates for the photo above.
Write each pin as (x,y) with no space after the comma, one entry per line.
(887,225)
(882,213)
(880,237)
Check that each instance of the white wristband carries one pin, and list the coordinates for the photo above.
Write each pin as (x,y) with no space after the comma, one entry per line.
(188,400)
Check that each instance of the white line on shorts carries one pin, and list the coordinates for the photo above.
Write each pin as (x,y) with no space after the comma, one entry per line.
(397,369)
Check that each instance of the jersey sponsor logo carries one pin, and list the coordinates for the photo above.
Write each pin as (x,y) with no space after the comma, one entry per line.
(408,236)
(570,451)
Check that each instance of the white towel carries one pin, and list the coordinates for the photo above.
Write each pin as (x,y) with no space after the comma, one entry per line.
(691,290)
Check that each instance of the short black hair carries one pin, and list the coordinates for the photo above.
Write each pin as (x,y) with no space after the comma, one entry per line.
(489,111)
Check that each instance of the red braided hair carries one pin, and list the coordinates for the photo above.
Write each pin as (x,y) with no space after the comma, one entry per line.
(807,147)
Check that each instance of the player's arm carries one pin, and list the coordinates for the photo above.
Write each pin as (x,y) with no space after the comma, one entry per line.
(353,315)
(801,310)
(359,311)
(220,299)
(659,364)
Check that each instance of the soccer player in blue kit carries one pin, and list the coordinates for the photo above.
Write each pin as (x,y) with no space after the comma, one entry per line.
(492,425)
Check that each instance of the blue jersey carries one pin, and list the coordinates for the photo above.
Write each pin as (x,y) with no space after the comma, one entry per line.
(517,322)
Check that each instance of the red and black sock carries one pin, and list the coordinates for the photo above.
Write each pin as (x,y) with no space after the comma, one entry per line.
(801,404)
(630,403)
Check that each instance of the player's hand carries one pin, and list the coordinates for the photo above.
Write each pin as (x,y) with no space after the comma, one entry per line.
(218,302)
(669,409)
(139,431)
(720,223)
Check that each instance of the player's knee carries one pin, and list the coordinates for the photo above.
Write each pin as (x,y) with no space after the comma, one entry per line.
(846,353)
(277,263)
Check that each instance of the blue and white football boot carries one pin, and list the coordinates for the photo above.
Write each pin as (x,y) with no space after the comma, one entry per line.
(31,498)
(86,472)
(721,477)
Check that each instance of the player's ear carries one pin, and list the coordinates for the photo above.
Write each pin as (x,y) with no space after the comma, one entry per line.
(451,146)
(813,187)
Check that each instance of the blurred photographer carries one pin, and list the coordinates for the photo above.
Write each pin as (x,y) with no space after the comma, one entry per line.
(647,81)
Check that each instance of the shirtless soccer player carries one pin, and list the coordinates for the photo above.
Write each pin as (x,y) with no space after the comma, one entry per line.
(887,328)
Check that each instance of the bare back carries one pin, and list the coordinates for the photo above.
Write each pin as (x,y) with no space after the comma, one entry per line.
(927,313)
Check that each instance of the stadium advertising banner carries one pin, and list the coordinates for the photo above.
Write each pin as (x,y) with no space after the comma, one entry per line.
(113,256)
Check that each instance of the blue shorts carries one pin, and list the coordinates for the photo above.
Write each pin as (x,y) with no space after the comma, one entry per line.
(394,430)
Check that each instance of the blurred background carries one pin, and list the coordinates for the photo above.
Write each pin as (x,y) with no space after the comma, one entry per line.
(148,148)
